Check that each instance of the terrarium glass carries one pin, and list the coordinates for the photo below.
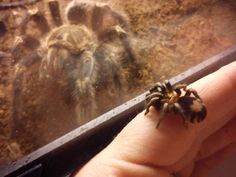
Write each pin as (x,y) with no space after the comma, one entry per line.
(63,63)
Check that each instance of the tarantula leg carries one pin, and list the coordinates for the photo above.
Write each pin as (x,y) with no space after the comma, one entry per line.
(55,12)
(31,59)
(150,96)
(131,60)
(194,92)
(151,103)
(168,85)
(121,33)
(38,18)
(103,17)
(17,101)
(158,87)
(180,110)
(115,73)
(3,28)
(163,112)
(107,13)
(17,89)
(97,16)
(178,87)
(22,44)
(83,113)
(28,41)
(125,40)
(76,13)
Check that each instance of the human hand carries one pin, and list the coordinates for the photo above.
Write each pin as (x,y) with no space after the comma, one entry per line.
(142,150)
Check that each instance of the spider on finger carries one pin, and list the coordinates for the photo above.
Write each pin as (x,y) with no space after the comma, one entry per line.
(177,99)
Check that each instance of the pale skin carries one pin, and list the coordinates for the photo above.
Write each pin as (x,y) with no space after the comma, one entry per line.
(142,150)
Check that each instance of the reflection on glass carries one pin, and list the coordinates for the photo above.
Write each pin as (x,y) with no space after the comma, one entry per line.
(63,64)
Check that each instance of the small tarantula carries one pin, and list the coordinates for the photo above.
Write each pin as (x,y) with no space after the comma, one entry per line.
(176,99)
(88,60)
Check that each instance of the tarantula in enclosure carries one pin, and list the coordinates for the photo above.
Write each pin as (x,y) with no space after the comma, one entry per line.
(91,53)
(169,98)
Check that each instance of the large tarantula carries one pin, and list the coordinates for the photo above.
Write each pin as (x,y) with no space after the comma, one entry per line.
(176,99)
(88,61)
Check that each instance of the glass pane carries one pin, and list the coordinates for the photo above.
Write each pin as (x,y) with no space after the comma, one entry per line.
(63,63)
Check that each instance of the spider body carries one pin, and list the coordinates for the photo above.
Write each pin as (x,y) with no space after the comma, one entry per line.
(69,69)
(176,99)
(90,50)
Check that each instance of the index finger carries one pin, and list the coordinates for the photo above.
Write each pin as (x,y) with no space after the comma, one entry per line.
(140,142)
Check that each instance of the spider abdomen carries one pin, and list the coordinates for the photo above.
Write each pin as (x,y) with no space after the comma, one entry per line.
(193,108)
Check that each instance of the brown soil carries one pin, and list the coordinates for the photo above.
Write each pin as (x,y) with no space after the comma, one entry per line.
(171,36)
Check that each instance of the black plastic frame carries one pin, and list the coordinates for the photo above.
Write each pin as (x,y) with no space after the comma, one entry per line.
(67,153)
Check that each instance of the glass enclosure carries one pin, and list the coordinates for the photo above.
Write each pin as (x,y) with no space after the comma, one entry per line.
(63,63)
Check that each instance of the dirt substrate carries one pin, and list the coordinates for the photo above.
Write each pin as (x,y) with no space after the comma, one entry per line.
(169,36)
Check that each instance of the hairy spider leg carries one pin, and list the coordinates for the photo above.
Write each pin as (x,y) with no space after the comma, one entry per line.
(125,40)
(103,11)
(168,86)
(100,12)
(149,96)
(131,59)
(163,112)
(194,92)
(55,12)
(17,86)
(152,102)
(179,109)
(178,87)
(155,94)
(157,88)
(27,40)
(39,19)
